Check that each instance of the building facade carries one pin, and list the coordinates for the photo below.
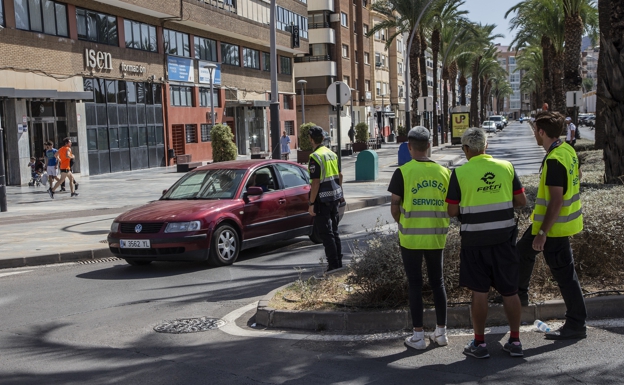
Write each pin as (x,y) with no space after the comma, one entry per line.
(129,80)
(513,105)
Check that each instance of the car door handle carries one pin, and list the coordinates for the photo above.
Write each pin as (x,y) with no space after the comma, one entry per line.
(282,201)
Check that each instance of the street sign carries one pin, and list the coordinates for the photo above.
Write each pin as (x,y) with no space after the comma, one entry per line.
(425,104)
(460,122)
(345,93)
(294,40)
(574,98)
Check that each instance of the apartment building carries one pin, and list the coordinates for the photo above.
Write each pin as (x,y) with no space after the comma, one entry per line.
(589,65)
(129,80)
(515,104)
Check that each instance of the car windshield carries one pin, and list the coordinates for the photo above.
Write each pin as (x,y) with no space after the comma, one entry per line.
(206,184)
(496,118)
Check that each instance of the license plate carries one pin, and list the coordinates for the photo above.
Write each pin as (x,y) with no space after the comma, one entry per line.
(135,244)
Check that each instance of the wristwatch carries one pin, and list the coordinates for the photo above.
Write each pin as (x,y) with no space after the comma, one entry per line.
(311,203)
(541,232)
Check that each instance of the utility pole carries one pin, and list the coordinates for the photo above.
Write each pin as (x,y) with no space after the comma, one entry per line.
(274,108)
(3,199)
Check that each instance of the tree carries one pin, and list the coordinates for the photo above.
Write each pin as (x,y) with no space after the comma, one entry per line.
(575,26)
(223,146)
(604,10)
(612,93)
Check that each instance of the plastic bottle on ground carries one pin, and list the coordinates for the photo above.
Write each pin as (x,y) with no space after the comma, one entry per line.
(542,326)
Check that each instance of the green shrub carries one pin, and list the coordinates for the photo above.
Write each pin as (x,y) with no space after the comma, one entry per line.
(223,146)
(401,131)
(304,136)
(361,133)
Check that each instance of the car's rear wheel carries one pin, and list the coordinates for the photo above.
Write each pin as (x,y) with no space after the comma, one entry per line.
(134,262)
(225,246)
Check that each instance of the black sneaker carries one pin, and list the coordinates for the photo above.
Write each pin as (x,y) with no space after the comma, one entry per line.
(566,334)
(74,195)
(62,188)
(476,351)
(514,349)
(51,193)
(75,186)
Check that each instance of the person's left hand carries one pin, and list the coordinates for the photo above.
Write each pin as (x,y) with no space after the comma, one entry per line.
(538,242)
(311,211)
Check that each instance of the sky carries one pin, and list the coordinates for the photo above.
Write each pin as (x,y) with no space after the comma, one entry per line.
(492,12)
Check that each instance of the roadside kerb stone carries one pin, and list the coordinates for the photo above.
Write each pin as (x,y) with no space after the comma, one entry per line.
(392,320)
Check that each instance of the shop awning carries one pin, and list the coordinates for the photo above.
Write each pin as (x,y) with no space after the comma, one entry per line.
(45,94)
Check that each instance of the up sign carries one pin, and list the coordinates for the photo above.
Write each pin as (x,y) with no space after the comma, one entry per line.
(98,60)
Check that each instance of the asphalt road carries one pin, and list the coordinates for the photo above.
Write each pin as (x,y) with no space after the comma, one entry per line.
(94,323)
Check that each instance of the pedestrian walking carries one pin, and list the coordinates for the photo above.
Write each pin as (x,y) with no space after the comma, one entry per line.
(418,190)
(325,197)
(351,134)
(556,217)
(64,156)
(570,132)
(285,146)
(51,162)
(483,193)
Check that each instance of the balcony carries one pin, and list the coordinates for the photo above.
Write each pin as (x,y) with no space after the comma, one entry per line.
(320,5)
(322,66)
(322,36)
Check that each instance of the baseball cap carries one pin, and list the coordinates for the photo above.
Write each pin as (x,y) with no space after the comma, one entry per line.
(419,133)
(568,118)
(316,131)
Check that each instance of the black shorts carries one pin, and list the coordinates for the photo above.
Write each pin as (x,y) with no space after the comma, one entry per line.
(495,266)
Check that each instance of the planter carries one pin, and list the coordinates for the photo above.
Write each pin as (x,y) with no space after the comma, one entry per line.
(303,156)
(357,147)
(401,138)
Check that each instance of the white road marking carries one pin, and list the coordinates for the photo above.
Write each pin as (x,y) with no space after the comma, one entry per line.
(232,329)
(14,273)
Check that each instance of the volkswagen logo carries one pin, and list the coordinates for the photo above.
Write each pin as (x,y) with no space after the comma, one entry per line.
(138,228)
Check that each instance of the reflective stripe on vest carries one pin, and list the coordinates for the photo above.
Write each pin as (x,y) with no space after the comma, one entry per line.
(570,218)
(424,220)
(486,194)
(329,189)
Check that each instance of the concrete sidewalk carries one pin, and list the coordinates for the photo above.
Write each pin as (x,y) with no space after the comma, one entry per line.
(37,230)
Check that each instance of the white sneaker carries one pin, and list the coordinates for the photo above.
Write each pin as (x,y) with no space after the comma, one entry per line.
(417,341)
(439,337)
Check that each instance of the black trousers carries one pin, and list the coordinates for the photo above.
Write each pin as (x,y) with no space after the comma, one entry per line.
(326,225)
(558,257)
(412,262)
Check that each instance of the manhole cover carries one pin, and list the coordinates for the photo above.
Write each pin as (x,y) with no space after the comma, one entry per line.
(189,325)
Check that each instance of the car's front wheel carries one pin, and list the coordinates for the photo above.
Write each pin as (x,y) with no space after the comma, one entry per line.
(134,262)
(225,246)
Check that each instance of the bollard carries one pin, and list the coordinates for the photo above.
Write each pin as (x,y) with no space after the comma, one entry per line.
(366,166)
(404,154)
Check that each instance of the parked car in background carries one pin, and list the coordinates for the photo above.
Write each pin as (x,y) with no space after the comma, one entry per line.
(215,211)
(585,119)
(489,126)
(505,121)
(498,120)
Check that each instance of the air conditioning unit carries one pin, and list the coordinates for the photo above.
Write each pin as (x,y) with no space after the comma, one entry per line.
(378,64)
(369,95)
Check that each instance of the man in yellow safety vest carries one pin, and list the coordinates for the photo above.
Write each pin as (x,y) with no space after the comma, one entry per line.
(418,190)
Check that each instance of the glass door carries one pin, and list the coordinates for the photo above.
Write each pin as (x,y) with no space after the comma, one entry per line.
(41,132)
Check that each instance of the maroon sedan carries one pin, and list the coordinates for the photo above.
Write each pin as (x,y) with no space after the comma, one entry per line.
(215,211)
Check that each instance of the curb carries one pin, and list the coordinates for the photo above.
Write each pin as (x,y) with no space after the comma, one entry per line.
(393,320)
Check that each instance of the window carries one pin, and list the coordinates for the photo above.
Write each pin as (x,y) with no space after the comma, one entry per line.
(205,49)
(345,50)
(180,96)
(399,45)
(176,43)
(378,88)
(140,36)
(384,32)
(383,61)
(289,127)
(288,102)
(191,133)
(1,15)
(512,60)
(44,16)
(291,175)
(347,80)
(400,91)
(96,27)
(204,97)
(285,66)
(377,35)
(266,61)
(355,26)
(251,58)
(230,54)
(400,65)
(385,89)
(343,20)
(205,132)
(365,29)
(286,18)
(377,59)
(366,85)
(366,58)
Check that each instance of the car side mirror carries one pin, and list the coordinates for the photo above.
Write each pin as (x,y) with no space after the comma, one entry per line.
(254,190)
(164,191)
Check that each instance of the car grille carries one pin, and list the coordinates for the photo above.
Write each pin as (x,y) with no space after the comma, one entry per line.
(147,252)
(147,228)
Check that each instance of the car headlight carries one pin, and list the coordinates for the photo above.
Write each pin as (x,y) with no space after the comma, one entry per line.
(114,227)
(179,227)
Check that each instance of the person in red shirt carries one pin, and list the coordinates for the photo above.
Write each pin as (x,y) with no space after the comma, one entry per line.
(65,156)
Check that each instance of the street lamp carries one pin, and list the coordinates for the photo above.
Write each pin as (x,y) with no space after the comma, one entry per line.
(302,83)
(211,67)
(352,120)
(382,115)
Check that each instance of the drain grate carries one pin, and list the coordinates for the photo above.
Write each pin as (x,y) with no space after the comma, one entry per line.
(92,261)
(189,325)
(103,241)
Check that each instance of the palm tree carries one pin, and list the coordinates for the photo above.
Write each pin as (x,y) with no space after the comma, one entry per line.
(611,91)
(531,63)
(604,11)
(501,90)
(580,15)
